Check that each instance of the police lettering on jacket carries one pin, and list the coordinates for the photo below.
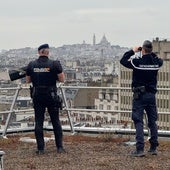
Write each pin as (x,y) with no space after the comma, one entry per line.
(41,70)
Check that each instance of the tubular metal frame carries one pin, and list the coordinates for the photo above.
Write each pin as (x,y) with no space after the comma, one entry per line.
(68,110)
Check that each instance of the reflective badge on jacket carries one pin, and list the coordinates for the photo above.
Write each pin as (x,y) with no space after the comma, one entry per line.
(41,70)
(139,66)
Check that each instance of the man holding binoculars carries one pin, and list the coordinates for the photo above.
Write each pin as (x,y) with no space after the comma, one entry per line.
(144,87)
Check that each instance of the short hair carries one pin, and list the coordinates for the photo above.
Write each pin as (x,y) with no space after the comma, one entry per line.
(147,46)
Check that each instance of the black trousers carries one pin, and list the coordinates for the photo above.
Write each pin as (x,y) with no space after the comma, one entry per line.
(42,101)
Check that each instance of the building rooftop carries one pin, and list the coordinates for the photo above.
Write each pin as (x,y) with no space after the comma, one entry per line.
(84,152)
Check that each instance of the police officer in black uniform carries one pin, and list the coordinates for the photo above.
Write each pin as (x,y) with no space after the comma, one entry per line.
(43,73)
(144,87)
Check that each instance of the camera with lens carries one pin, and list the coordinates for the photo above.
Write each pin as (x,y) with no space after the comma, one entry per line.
(15,74)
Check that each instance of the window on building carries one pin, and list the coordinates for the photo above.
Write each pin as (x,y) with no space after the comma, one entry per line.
(113,120)
(116,108)
(100,107)
(108,107)
(167,55)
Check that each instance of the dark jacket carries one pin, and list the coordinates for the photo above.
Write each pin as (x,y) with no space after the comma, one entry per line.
(145,69)
(43,71)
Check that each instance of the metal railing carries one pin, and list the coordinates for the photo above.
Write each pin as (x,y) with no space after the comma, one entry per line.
(68,110)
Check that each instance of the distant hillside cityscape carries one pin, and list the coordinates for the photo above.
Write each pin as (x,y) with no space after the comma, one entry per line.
(86,61)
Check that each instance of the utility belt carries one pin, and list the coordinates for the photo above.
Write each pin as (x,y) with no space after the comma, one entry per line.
(45,87)
(42,90)
(138,91)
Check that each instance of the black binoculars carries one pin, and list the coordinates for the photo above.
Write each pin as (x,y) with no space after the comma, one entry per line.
(140,49)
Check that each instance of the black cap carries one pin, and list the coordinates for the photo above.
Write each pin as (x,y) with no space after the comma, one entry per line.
(147,44)
(43,46)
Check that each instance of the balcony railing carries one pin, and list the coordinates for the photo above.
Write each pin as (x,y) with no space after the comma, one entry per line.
(69,109)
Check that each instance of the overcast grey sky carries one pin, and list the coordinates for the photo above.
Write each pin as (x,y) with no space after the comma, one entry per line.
(29,23)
